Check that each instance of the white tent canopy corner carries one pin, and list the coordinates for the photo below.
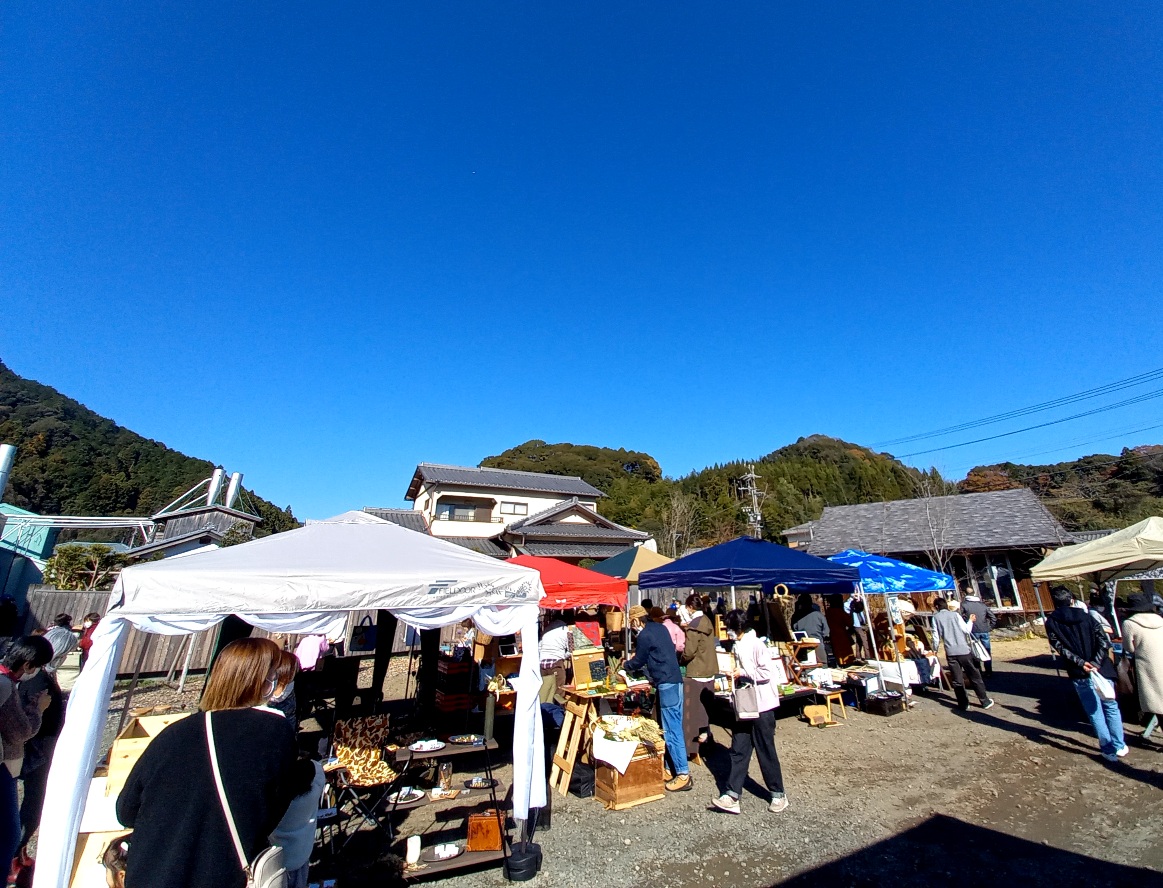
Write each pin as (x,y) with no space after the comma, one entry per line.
(1113,557)
(300,581)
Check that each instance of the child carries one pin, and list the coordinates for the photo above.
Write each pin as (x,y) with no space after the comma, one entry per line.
(295,833)
(114,859)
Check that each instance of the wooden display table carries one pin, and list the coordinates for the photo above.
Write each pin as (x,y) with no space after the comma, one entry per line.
(581,711)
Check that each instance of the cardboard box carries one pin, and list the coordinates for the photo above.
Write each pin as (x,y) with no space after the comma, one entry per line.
(131,743)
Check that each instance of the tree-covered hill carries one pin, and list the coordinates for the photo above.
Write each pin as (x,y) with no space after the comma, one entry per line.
(72,461)
(1091,493)
(796,482)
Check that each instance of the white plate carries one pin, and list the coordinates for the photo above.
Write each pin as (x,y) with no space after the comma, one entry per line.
(413,795)
(426,746)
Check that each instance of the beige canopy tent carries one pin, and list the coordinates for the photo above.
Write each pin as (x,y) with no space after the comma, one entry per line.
(1125,552)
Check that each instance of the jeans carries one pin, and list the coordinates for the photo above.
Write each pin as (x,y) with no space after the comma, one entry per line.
(9,817)
(962,666)
(983,637)
(670,705)
(1104,716)
(759,735)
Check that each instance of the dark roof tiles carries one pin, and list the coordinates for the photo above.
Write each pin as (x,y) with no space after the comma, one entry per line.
(500,479)
(1005,519)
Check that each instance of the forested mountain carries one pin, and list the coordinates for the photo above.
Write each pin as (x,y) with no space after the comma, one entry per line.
(797,481)
(1092,493)
(72,461)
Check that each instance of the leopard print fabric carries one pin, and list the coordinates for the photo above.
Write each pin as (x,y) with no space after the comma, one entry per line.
(359,746)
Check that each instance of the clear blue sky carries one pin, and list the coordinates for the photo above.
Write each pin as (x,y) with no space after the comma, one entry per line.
(319,243)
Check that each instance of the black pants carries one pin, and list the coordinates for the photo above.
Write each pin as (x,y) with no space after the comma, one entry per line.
(961,667)
(757,734)
(862,642)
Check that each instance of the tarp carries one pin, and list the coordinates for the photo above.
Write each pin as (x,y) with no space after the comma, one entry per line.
(1121,554)
(881,575)
(747,561)
(630,564)
(299,581)
(569,586)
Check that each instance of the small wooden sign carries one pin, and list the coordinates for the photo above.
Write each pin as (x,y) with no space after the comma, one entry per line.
(589,668)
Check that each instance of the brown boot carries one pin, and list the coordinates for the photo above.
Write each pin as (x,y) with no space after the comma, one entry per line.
(679,783)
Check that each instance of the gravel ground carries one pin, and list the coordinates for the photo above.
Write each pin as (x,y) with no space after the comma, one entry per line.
(929,797)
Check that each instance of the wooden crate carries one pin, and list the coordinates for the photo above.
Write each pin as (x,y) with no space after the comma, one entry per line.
(642,782)
(131,743)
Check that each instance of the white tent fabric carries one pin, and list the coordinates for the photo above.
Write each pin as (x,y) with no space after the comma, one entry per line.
(1119,555)
(303,580)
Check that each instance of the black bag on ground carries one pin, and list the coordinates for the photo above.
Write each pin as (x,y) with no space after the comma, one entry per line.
(581,781)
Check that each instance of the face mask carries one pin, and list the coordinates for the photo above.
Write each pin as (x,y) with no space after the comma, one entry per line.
(731,635)
(287,691)
(86,624)
(32,673)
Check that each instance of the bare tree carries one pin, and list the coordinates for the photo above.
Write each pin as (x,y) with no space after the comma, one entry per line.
(680,523)
(934,491)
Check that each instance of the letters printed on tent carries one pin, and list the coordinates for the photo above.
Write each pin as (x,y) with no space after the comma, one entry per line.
(881,575)
(747,561)
(569,586)
(300,581)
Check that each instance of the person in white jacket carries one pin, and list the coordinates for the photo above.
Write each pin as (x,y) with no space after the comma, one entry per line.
(753,663)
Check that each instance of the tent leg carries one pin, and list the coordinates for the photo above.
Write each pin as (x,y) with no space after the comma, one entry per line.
(733,605)
(146,645)
(186,665)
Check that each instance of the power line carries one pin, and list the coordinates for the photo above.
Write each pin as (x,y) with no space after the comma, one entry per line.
(1082,442)
(1138,399)
(1109,388)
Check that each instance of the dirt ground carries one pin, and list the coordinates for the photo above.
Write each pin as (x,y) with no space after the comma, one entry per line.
(929,797)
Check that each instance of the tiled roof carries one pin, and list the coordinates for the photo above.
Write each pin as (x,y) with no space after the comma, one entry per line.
(207,534)
(1086,536)
(476,544)
(500,479)
(408,518)
(572,550)
(572,530)
(544,519)
(1005,519)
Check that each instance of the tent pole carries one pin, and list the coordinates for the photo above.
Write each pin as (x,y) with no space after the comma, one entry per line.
(145,646)
(872,636)
(186,664)
(733,604)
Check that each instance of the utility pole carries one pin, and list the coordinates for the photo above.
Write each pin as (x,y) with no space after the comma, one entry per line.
(749,490)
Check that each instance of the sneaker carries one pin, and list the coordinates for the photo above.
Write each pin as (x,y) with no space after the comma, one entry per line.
(679,783)
(778,806)
(1122,753)
(988,704)
(1110,756)
(727,803)
(667,774)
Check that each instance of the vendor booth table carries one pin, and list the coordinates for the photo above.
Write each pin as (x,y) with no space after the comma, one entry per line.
(302,581)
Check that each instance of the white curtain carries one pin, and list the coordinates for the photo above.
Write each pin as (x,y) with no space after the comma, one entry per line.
(80,740)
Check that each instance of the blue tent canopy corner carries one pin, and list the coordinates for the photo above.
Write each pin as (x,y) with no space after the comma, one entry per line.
(748,561)
(881,575)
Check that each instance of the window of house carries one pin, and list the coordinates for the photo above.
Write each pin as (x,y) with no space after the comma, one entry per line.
(514,509)
(455,512)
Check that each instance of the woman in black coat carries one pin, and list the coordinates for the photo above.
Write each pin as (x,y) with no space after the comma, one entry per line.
(170,801)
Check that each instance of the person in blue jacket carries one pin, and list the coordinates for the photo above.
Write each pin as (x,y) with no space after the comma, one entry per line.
(656,656)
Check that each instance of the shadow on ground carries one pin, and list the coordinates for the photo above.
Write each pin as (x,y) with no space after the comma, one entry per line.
(943,851)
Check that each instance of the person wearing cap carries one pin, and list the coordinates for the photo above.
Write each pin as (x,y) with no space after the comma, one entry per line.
(656,656)
(1143,643)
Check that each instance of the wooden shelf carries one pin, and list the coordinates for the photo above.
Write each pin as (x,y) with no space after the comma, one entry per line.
(465,861)
(404,755)
(474,797)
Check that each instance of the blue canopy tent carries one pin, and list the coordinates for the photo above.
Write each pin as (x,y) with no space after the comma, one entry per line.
(880,575)
(747,561)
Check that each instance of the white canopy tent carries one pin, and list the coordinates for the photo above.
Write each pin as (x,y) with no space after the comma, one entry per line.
(300,581)
(1114,557)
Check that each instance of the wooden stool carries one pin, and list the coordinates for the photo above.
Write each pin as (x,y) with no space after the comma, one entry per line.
(838,697)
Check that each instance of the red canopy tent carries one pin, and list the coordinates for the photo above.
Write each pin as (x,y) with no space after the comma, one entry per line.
(569,586)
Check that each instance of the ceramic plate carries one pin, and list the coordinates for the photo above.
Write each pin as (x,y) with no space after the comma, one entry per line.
(426,746)
(428,855)
(412,795)
(467,739)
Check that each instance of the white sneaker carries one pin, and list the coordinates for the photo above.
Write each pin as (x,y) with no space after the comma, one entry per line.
(778,806)
(1122,753)
(988,704)
(726,803)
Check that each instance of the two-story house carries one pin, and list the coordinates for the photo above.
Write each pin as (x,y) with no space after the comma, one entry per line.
(503,512)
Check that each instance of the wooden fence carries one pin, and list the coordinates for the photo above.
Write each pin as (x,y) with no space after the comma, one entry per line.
(167,652)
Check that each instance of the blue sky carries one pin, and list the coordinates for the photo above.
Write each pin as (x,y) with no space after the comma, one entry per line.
(319,243)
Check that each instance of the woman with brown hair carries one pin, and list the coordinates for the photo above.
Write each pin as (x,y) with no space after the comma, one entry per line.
(284,700)
(181,838)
